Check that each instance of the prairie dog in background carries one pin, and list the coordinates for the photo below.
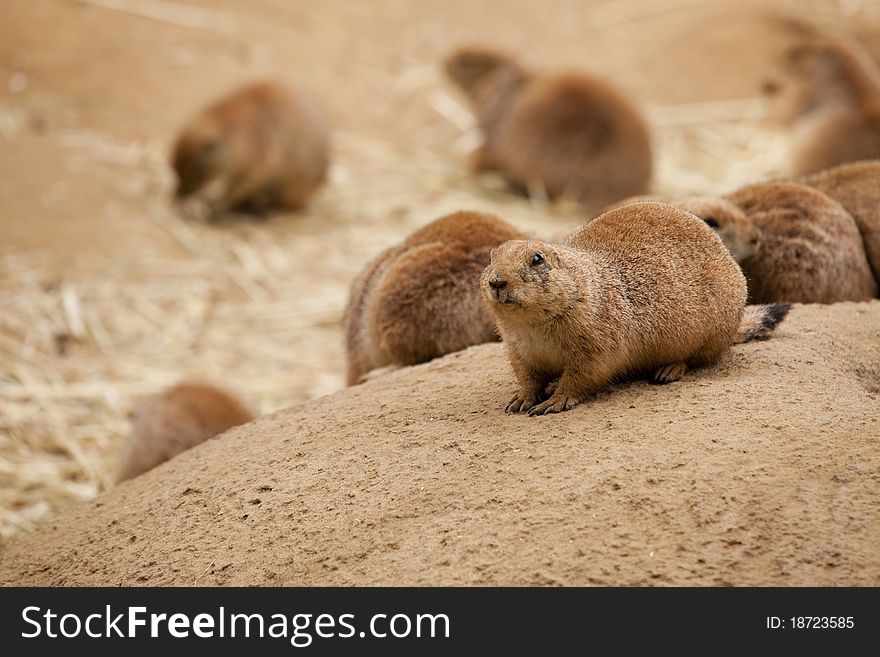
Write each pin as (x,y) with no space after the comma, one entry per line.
(739,233)
(175,420)
(421,299)
(569,135)
(263,146)
(811,250)
(828,92)
(856,187)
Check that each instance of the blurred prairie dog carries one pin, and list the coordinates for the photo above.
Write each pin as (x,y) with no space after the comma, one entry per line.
(175,420)
(264,146)
(829,93)
(738,232)
(810,249)
(567,135)
(646,288)
(421,299)
(856,187)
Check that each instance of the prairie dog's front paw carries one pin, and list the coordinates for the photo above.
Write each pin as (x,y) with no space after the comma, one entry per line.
(556,404)
(521,403)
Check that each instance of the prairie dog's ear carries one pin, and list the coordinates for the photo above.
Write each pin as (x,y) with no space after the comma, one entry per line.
(468,65)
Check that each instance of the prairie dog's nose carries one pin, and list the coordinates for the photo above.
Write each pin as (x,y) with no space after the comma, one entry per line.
(497,283)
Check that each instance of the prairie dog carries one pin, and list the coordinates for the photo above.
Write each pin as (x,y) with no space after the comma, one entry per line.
(856,187)
(421,299)
(643,288)
(264,146)
(829,93)
(175,420)
(739,233)
(810,251)
(568,135)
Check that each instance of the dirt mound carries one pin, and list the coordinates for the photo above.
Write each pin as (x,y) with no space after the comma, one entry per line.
(761,470)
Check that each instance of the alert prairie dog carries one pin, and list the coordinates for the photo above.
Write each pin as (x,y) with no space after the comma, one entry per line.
(421,299)
(264,146)
(568,135)
(175,420)
(828,91)
(810,249)
(856,187)
(645,288)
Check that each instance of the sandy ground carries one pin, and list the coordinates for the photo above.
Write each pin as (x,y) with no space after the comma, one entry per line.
(108,294)
(761,470)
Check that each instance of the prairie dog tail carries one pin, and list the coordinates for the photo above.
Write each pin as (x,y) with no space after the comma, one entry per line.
(758,322)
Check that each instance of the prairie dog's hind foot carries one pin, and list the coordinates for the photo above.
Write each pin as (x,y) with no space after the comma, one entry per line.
(669,373)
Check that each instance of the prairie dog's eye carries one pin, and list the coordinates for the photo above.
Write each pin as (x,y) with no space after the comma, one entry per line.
(711,222)
(537,259)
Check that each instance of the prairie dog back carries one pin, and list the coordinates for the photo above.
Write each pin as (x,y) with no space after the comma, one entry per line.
(265,145)
(856,187)
(569,135)
(420,299)
(828,92)
(666,255)
(175,420)
(811,249)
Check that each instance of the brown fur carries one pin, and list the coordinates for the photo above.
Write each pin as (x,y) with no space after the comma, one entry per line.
(175,420)
(829,92)
(421,299)
(856,187)
(739,233)
(644,288)
(571,135)
(811,250)
(262,146)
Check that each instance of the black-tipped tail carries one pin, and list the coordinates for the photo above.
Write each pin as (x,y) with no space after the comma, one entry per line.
(758,322)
